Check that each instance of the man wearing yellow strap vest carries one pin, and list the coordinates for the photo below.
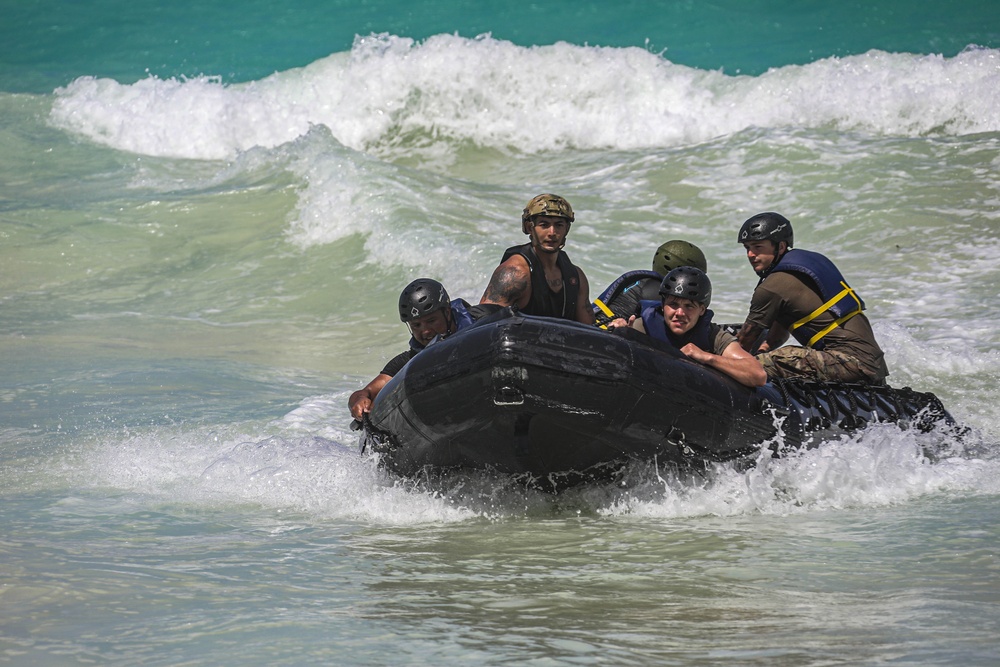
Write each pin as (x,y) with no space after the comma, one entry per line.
(802,293)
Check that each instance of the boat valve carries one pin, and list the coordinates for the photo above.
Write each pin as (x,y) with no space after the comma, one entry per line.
(508,396)
(506,381)
(676,438)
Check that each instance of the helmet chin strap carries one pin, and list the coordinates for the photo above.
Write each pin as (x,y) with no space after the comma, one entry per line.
(774,262)
(569,226)
(536,245)
(539,249)
(449,321)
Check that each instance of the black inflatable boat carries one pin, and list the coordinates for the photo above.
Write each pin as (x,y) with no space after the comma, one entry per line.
(563,403)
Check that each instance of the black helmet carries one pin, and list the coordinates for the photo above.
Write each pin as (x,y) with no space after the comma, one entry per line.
(422,297)
(687,282)
(766,227)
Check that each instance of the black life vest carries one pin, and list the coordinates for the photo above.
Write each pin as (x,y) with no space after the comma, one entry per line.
(543,300)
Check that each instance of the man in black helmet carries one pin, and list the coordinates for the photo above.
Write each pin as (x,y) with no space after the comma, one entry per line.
(802,293)
(427,311)
(538,277)
(681,318)
(621,298)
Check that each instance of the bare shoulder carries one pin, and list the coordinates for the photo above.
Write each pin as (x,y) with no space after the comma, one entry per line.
(584,309)
(735,351)
(584,283)
(510,283)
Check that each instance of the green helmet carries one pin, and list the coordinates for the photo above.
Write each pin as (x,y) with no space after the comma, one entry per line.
(553,205)
(675,254)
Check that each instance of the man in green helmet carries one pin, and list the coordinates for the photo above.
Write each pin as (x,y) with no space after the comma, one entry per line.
(538,277)
(621,298)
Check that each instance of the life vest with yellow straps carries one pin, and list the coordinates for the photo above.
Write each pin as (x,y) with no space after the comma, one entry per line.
(838,297)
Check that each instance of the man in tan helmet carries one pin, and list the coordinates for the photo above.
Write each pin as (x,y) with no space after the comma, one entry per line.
(538,276)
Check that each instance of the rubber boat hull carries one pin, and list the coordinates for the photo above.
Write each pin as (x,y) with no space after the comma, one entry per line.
(562,403)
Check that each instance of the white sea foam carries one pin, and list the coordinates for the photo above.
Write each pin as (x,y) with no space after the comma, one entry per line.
(307,462)
(322,478)
(222,468)
(879,466)
(390,90)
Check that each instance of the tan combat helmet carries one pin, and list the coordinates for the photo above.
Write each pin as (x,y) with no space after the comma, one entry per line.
(547,204)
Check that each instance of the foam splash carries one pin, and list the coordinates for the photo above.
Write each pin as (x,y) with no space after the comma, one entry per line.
(307,463)
(879,466)
(282,473)
(391,92)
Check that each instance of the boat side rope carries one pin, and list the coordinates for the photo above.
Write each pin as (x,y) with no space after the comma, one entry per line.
(854,408)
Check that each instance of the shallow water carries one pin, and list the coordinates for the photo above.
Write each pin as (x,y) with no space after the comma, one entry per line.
(204,234)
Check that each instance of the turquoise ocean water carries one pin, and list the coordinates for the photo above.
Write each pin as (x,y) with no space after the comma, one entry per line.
(207,211)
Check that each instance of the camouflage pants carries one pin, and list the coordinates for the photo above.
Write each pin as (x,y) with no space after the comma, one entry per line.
(802,362)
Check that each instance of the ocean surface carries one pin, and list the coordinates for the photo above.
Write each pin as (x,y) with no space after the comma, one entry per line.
(207,212)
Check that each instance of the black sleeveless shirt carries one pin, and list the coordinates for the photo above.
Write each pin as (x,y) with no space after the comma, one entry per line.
(543,300)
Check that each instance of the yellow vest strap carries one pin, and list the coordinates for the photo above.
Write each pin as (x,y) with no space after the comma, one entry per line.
(604,309)
(825,307)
